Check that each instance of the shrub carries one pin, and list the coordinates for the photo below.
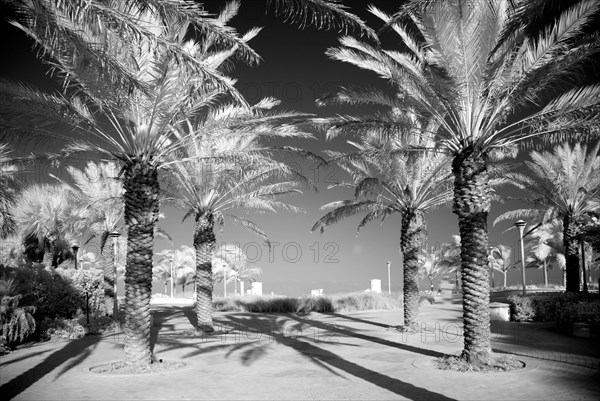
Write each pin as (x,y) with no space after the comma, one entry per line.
(88,281)
(426,297)
(366,301)
(580,312)
(544,306)
(319,304)
(16,321)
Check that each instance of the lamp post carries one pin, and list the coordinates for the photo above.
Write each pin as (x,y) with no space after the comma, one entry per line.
(389,278)
(75,248)
(115,237)
(224,280)
(520,224)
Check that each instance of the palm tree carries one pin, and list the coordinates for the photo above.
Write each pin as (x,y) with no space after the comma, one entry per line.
(44,214)
(501,260)
(563,184)
(99,192)
(386,181)
(547,249)
(9,182)
(177,265)
(450,258)
(226,168)
(479,69)
(231,264)
(430,268)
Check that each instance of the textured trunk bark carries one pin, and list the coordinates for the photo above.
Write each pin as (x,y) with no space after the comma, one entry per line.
(141,214)
(411,239)
(108,268)
(204,245)
(504,274)
(571,254)
(472,204)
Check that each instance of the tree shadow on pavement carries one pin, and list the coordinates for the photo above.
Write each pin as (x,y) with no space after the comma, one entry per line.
(78,349)
(355,319)
(330,360)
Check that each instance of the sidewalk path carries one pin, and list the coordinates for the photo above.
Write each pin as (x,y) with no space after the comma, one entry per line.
(314,356)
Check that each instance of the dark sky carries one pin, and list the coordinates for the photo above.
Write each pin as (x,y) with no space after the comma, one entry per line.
(295,70)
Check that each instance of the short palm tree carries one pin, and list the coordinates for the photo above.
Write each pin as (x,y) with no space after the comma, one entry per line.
(480,70)
(230,263)
(450,258)
(387,180)
(176,266)
(563,184)
(226,168)
(44,213)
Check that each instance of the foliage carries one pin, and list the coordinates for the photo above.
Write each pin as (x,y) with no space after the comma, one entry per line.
(586,312)
(545,307)
(90,282)
(426,297)
(16,322)
(52,295)
(324,304)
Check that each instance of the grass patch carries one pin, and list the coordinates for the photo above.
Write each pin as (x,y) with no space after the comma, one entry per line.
(123,368)
(504,363)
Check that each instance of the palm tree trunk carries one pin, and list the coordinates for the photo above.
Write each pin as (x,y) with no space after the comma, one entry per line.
(472,204)
(108,268)
(504,274)
(545,273)
(141,214)
(571,254)
(411,239)
(583,275)
(204,245)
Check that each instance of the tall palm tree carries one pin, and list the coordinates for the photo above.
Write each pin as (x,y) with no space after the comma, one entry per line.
(178,265)
(563,184)
(387,181)
(227,168)
(479,69)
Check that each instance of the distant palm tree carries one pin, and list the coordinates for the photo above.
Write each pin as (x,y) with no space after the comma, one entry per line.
(450,258)
(430,267)
(476,67)
(501,260)
(387,180)
(231,264)
(99,192)
(563,184)
(225,167)
(547,249)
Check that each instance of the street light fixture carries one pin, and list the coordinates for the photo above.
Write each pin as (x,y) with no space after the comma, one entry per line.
(115,237)
(520,224)
(75,248)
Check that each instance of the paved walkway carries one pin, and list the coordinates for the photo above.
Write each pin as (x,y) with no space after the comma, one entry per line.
(314,356)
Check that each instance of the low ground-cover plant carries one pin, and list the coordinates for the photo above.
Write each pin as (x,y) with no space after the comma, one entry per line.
(545,306)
